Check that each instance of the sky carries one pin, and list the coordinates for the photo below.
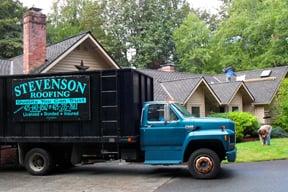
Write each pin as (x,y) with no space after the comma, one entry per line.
(210,5)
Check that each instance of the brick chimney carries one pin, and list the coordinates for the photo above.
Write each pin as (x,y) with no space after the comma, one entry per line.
(34,39)
(167,68)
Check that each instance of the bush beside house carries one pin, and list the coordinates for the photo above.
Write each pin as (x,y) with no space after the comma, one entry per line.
(246,123)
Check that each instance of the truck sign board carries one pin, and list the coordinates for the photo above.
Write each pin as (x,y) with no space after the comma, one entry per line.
(51,98)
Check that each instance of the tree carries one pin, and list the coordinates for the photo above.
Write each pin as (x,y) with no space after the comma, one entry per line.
(281,106)
(70,17)
(145,26)
(153,39)
(11,13)
(254,35)
(192,45)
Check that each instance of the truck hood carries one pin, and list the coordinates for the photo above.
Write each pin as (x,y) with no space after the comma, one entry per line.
(210,123)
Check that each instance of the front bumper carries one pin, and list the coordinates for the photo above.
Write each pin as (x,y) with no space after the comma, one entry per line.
(231,155)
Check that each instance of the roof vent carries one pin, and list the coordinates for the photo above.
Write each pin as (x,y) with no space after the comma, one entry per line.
(266,73)
(241,78)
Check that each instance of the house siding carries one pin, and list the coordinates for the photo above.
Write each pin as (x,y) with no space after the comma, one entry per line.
(259,112)
(91,58)
(237,101)
(198,100)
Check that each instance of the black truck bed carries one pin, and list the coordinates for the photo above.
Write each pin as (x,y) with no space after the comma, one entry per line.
(88,107)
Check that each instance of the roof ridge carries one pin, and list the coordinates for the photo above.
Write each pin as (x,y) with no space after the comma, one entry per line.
(181,79)
(179,72)
(266,68)
(4,59)
(224,82)
(71,37)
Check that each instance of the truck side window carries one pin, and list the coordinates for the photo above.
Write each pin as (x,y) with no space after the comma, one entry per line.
(156,112)
(172,115)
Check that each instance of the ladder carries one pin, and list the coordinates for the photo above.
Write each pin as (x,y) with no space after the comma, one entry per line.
(109,112)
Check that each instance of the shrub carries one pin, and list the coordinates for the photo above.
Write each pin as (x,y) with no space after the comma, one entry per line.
(246,123)
(278,132)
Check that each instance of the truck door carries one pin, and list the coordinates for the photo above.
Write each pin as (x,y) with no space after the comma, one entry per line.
(162,135)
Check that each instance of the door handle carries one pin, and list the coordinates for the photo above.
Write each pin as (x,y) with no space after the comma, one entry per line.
(191,128)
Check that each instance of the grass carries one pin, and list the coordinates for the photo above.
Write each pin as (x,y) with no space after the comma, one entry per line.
(254,151)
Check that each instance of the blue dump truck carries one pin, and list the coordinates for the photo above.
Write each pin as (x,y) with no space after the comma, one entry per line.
(58,120)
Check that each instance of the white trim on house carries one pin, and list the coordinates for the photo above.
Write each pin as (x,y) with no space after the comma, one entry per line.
(103,51)
(11,67)
(236,91)
(202,80)
(79,42)
(166,91)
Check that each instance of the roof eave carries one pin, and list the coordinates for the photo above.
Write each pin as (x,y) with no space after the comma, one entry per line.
(202,80)
(69,50)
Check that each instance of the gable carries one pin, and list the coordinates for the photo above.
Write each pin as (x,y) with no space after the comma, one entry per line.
(85,52)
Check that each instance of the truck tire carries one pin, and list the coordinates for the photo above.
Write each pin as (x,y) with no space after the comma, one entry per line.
(204,164)
(38,161)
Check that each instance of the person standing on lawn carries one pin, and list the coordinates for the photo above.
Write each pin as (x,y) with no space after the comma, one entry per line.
(264,133)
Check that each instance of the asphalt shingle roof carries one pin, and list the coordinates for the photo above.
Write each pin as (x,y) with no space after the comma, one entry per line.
(181,89)
(164,77)
(52,53)
(225,91)
(262,90)
(5,67)
(177,84)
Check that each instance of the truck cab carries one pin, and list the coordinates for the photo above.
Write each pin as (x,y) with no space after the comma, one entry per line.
(170,136)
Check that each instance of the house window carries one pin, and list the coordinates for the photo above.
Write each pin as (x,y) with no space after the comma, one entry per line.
(156,112)
(235,108)
(222,109)
(195,110)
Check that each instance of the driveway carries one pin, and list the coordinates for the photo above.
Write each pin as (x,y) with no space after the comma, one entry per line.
(119,176)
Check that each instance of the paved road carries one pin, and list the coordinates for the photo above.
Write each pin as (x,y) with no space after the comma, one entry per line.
(249,177)
(120,177)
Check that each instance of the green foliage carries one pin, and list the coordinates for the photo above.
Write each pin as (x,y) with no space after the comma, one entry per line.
(11,13)
(245,122)
(155,23)
(69,17)
(122,25)
(281,107)
(248,34)
(191,40)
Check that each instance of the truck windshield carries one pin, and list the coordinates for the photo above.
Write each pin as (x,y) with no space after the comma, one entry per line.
(182,110)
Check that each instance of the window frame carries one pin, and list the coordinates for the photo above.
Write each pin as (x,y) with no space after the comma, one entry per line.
(195,106)
(233,107)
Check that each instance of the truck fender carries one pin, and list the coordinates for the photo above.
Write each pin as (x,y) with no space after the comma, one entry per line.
(191,145)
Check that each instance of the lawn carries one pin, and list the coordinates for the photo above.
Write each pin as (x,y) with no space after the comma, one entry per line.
(254,151)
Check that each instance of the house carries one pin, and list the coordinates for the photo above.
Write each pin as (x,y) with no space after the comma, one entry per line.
(251,91)
(63,56)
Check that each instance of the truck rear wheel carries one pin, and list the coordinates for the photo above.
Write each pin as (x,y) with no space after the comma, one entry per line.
(204,164)
(38,161)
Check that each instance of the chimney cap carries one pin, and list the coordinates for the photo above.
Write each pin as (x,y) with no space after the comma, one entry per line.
(35,9)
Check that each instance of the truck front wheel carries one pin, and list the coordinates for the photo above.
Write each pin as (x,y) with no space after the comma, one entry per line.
(38,161)
(204,164)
